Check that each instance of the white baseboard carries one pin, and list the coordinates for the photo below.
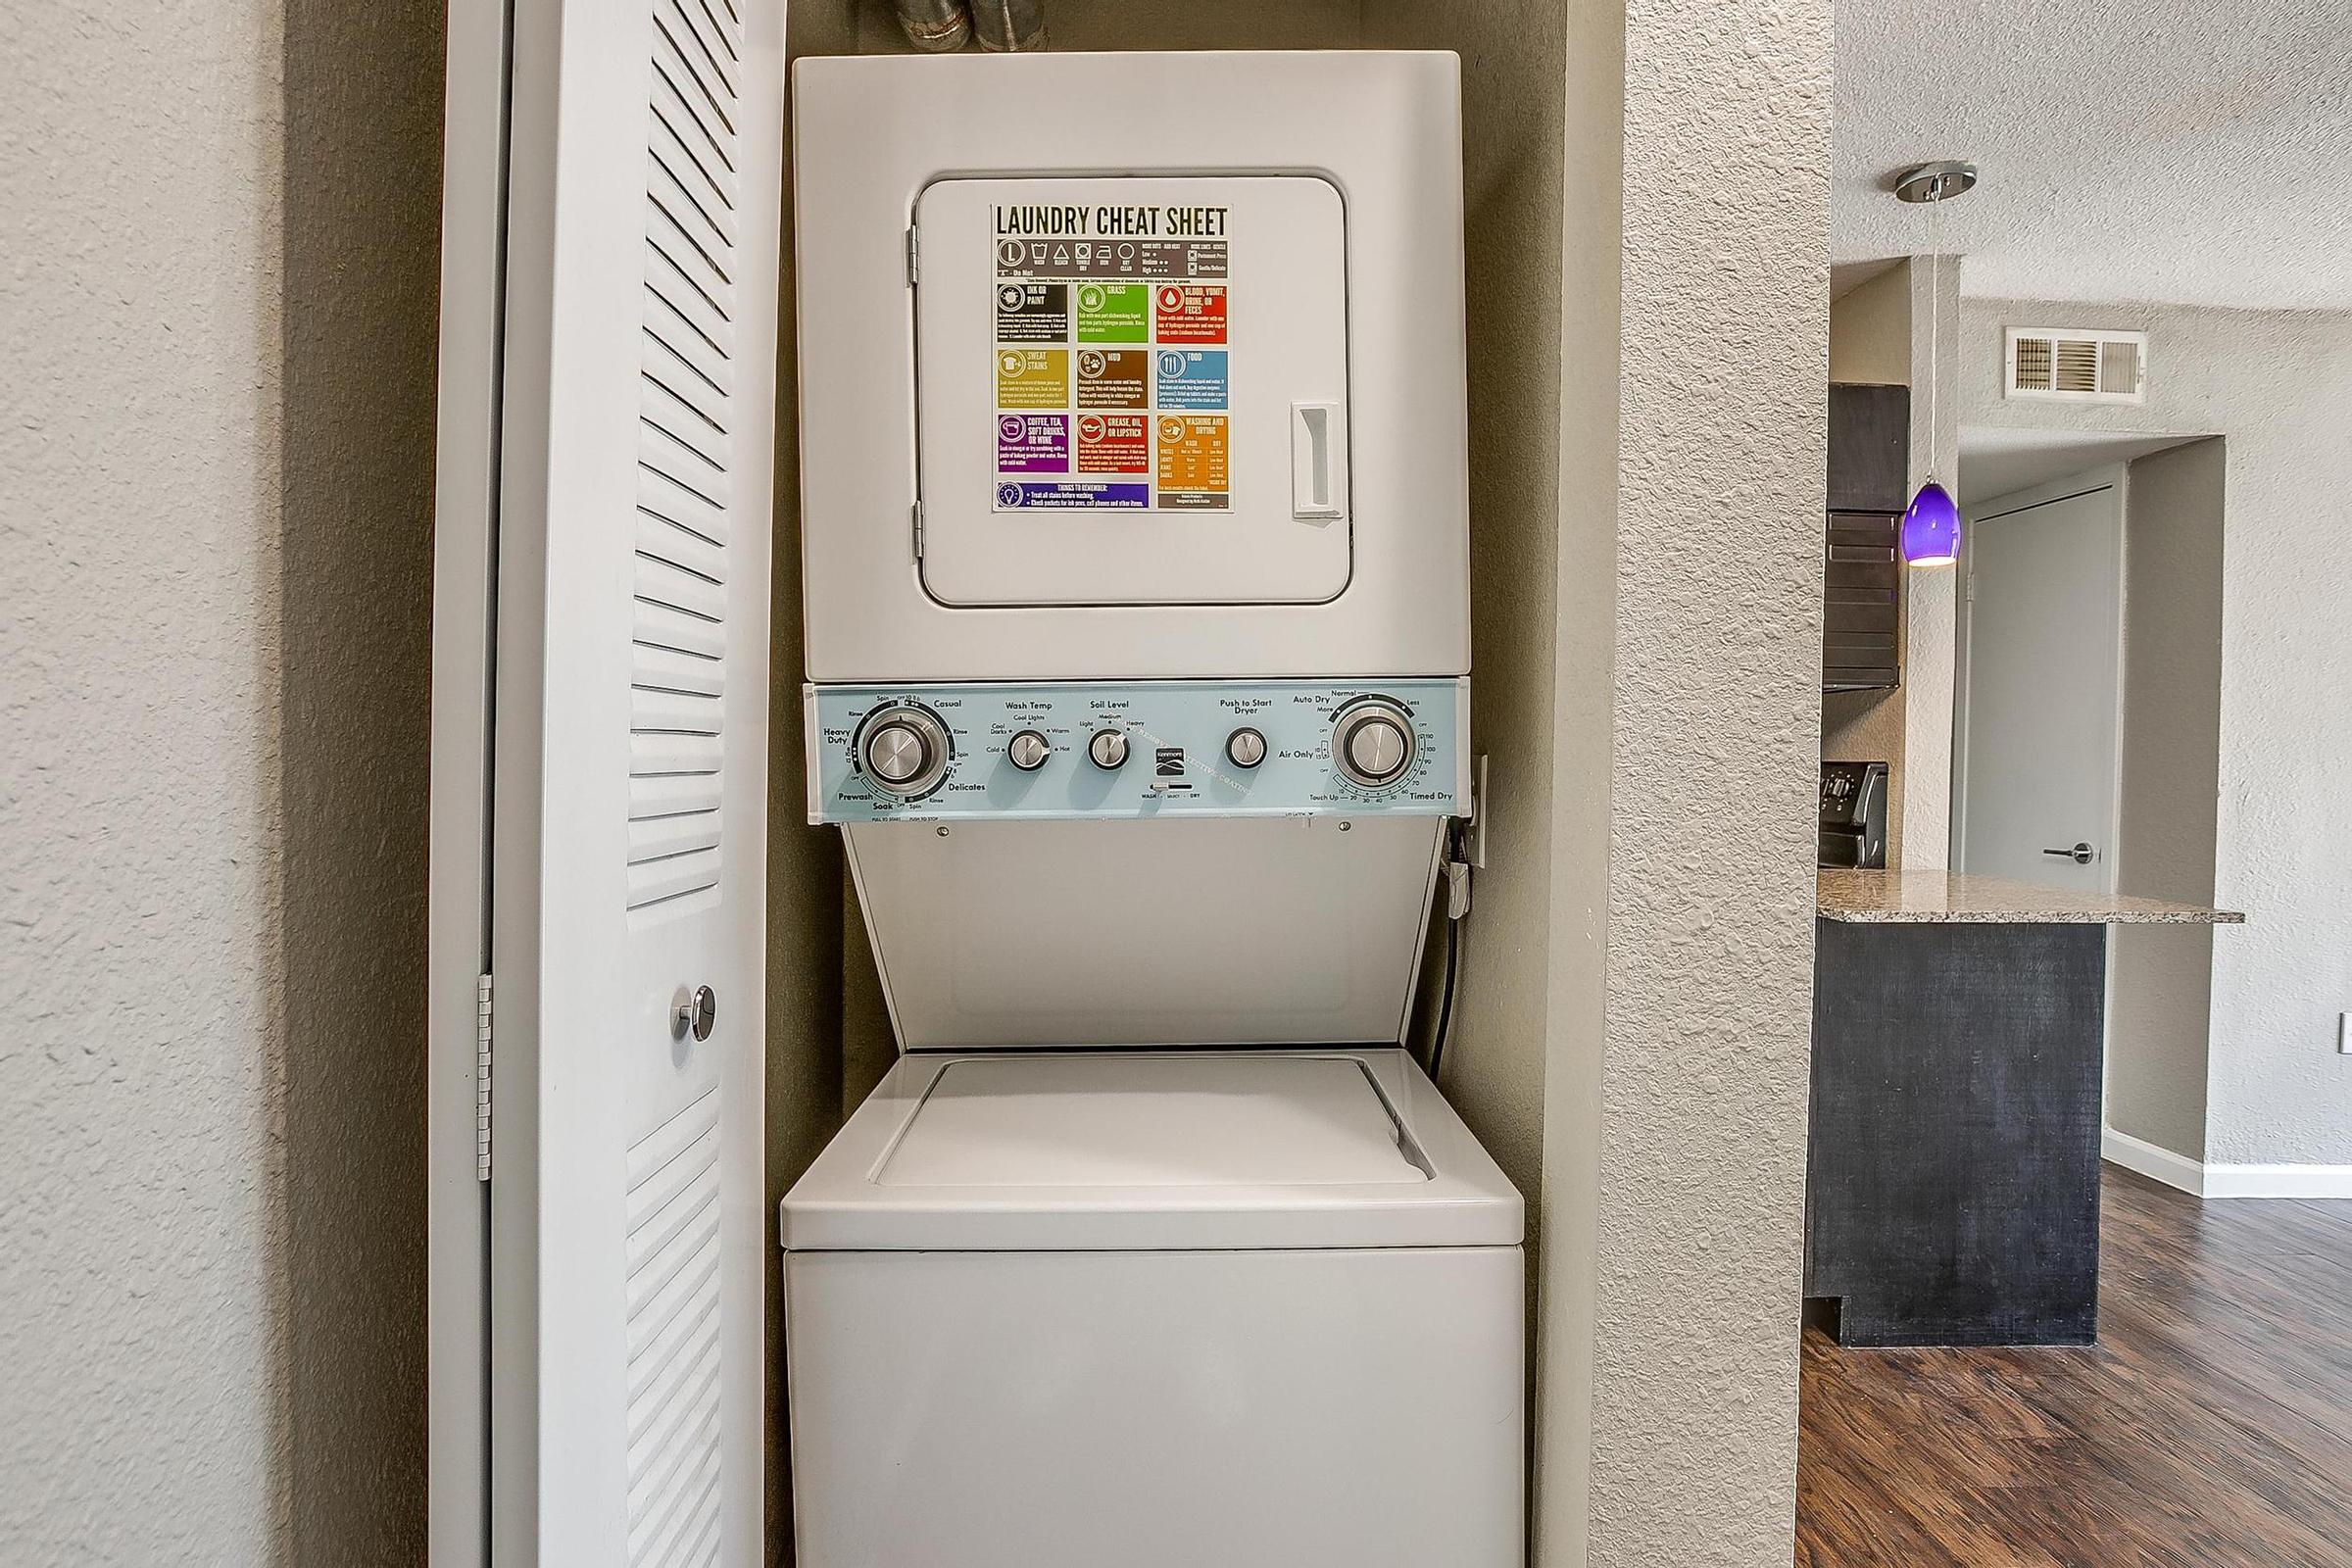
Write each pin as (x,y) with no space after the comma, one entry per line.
(2279,1181)
(2154,1162)
(2162,1164)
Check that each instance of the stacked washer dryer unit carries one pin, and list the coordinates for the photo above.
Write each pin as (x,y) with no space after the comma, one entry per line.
(1134,507)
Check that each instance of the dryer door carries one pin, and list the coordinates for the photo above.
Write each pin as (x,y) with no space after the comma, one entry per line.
(1133,391)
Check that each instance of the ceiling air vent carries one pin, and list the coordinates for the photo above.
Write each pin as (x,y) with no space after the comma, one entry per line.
(2077,363)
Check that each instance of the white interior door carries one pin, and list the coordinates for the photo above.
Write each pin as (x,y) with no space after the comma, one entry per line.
(626,1253)
(2036,788)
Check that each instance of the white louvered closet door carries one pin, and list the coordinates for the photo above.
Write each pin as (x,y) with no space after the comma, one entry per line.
(627,1254)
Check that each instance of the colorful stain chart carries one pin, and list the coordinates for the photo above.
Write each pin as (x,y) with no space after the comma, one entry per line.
(1111,358)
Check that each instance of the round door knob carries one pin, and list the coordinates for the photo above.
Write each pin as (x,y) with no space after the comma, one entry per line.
(695,1013)
(1245,748)
(1027,751)
(1373,742)
(902,751)
(1108,748)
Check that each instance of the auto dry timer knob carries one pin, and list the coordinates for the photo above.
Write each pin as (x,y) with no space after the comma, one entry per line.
(1373,742)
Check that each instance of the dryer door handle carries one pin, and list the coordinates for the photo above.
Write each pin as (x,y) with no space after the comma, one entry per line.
(1318,461)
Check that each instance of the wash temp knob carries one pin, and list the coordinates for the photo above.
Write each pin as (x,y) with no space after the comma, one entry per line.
(1028,751)
(903,750)
(1373,742)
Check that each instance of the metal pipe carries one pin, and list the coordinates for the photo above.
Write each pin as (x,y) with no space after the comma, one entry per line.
(935,26)
(1009,27)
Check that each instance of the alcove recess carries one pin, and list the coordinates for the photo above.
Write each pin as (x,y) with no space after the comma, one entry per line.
(829,1037)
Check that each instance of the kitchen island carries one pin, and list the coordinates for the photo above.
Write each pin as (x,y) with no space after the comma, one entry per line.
(1952,1190)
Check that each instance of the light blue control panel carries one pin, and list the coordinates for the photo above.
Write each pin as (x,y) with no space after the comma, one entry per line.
(1138,749)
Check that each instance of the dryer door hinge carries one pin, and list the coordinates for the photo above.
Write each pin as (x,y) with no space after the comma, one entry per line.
(918,530)
(481,1078)
(914,256)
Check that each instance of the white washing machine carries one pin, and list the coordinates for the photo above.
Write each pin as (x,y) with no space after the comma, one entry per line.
(1134,518)
(1206,1308)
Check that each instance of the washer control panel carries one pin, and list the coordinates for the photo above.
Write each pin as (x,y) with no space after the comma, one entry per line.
(1138,749)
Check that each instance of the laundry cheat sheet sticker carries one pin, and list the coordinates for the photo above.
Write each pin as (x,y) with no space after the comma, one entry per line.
(1111,358)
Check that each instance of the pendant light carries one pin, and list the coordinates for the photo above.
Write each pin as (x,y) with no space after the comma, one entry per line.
(1930,532)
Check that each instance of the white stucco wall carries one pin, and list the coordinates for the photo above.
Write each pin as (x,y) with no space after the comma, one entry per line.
(1678,1060)
(2276,385)
(142,1218)
(2160,977)
(217,454)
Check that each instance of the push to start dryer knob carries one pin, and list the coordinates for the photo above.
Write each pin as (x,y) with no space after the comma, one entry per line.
(1373,742)
(903,750)
(1028,751)
(1245,748)
(1108,748)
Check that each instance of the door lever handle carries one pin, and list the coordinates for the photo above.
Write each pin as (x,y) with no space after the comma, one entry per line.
(2080,853)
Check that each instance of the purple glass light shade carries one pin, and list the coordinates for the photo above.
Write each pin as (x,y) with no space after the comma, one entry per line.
(1931,528)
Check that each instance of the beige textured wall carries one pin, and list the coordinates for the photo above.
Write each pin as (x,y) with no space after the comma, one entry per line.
(1870,329)
(1513,81)
(1723,329)
(1567,1261)
(2160,978)
(219,327)
(362,86)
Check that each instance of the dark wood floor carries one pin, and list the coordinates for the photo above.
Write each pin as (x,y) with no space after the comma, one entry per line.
(2211,1427)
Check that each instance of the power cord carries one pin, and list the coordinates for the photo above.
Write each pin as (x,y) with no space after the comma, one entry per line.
(1436,1041)
(1457,904)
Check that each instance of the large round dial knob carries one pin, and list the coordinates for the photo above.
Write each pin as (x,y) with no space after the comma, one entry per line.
(1027,751)
(1108,748)
(1373,742)
(903,750)
(1245,748)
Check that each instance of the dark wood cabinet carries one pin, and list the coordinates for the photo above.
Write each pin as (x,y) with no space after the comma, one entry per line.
(1870,448)
(1862,569)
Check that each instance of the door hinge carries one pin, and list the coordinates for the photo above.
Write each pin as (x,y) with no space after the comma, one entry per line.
(918,530)
(914,256)
(481,1078)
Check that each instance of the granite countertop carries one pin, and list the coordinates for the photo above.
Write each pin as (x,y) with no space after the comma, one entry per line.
(1941,895)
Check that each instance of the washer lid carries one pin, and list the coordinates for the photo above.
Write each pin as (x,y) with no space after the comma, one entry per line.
(1152,1151)
(1152,1121)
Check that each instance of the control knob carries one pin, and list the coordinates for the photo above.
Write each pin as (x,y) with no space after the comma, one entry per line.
(1028,751)
(1245,748)
(903,750)
(1108,748)
(1373,742)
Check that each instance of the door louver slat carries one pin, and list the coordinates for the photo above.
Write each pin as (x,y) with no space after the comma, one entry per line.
(675,1372)
(685,392)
